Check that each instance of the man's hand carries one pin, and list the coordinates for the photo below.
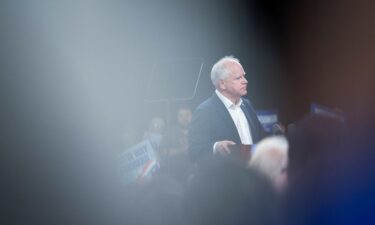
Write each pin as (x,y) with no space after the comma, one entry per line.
(222,147)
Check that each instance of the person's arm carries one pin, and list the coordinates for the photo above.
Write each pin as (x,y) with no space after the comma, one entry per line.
(200,143)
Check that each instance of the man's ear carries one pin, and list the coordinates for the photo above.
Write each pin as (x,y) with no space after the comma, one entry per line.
(222,85)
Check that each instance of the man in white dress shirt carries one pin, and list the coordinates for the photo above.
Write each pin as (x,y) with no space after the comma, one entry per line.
(226,118)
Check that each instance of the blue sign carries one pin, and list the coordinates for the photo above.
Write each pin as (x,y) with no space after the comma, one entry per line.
(326,111)
(138,163)
(268,118)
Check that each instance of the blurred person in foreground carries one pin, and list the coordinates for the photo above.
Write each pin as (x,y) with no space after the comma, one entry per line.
(331,175)
(270,158)
(224,193)
(225,118)
(314,139)
(158,202)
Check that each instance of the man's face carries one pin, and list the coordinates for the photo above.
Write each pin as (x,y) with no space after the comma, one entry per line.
(235,85)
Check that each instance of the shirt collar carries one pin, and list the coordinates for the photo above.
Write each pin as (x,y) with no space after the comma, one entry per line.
(228,103)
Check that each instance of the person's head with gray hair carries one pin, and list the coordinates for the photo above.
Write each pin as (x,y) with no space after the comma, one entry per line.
(270,158)
(220,69)
(228,77)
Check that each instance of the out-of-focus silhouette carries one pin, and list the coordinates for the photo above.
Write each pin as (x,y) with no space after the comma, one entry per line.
(270,158)
(224,193)
(331,175)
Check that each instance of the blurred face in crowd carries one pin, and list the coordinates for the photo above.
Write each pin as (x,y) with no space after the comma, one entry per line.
(281,181)
(184,117)
(234,86)
(157,125)
(278,169)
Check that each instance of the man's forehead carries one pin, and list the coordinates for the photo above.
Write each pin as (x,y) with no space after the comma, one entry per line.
(237,71)
(234,66)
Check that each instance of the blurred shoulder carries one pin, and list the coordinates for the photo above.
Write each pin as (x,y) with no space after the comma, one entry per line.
(208,104)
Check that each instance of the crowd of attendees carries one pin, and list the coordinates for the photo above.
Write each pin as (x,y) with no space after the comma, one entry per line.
(315,173)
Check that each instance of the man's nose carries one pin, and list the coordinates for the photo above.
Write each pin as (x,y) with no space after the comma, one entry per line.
(244,80)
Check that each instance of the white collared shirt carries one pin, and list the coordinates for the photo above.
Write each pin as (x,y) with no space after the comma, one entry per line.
(238,117)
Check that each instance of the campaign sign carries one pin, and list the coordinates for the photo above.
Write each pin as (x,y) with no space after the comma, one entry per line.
(326,111)
(138,163)
(268,118)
